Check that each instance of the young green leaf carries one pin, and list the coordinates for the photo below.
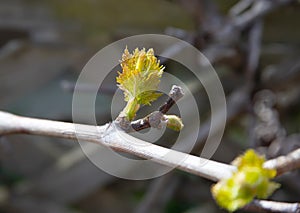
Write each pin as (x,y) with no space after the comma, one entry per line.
(249,181)
(139,80)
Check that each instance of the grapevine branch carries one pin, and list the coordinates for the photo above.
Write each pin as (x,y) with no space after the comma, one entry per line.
(286,163)
(109,135)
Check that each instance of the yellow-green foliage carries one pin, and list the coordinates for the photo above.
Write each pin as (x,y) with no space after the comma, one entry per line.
(139,80)
(249,181)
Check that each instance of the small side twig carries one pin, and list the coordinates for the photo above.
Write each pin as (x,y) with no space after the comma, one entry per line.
(240,7)
(155,119)
(174,95)
(258,10)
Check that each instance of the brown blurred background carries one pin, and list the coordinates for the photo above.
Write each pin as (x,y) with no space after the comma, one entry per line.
(44,44)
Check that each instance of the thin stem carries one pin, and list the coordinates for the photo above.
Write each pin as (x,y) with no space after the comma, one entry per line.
(130,109)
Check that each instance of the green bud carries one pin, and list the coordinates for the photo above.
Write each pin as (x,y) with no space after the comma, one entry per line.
(249,181)
(174,122)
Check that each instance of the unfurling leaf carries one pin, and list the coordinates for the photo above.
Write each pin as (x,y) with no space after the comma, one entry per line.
(139,80)
(249,181)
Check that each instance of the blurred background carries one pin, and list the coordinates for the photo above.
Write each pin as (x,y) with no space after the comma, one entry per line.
(254,46)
